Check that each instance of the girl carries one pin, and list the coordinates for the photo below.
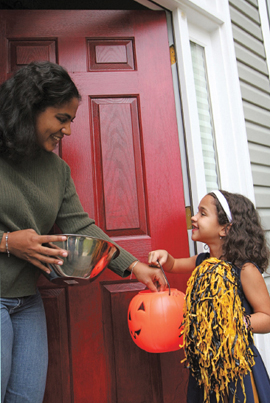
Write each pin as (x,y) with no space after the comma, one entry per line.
(37,107)
(228,223)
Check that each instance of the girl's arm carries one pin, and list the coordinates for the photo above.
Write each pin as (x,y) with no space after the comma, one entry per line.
(256,293)
(169,263)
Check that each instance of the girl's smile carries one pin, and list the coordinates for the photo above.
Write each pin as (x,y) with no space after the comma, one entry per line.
(54,123)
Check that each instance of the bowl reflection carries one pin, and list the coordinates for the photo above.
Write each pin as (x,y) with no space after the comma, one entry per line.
(87,258)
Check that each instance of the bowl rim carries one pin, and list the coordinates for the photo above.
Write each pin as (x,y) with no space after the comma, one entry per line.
(92,237)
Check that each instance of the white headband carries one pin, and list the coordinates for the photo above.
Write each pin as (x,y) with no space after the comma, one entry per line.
(224,204)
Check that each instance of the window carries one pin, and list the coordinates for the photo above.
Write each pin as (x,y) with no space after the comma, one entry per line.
(205,117)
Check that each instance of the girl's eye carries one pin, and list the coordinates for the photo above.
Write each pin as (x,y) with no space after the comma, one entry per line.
(62,120)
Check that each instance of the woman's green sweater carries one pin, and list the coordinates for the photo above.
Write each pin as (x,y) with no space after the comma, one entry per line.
(36,194)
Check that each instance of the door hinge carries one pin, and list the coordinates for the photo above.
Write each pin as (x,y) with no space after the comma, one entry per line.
(172,54)
(188,217)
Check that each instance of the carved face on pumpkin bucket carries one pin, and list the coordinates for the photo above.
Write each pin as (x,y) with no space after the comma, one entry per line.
(154,320)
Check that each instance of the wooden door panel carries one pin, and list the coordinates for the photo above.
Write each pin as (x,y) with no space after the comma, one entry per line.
(24,52)
(89,349)
(125,161)
(60,378)
(111,54)
(119,171)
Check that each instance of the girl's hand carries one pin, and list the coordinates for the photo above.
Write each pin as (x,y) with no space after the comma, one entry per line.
(161,256)
(152,278)
(28,245)
(169,263)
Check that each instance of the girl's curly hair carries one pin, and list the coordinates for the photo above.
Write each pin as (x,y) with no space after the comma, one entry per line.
(31,90)
(245,238)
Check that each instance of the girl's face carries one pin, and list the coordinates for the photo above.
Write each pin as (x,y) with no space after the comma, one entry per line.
(205,223)
(54,123)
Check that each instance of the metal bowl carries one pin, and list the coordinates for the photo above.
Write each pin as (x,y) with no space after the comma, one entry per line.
(87,258)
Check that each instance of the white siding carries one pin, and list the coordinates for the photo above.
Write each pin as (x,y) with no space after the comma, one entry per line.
(255,89)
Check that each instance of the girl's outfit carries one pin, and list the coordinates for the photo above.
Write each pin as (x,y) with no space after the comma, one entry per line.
(35,194)
(257,383)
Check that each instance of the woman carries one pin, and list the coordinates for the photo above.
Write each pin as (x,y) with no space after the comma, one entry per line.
(37,107)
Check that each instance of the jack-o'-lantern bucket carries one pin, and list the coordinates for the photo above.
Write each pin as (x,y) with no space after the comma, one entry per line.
(155,320)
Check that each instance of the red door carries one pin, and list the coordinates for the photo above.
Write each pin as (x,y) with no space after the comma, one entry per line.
(125,160)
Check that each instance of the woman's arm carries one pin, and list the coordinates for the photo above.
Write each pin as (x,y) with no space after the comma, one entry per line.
(169,263)
(256,293)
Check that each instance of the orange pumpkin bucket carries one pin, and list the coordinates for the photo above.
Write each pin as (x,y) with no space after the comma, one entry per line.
(155,318)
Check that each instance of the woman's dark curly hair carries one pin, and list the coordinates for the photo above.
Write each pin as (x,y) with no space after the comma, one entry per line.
(31,90)
(245,239)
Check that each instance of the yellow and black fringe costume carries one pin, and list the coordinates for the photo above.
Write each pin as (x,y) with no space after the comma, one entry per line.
(215,337)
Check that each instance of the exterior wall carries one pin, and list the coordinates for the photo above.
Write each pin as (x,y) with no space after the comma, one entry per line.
(255,90)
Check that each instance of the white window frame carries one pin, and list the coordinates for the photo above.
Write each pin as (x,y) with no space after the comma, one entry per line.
(215,35)
(208,23)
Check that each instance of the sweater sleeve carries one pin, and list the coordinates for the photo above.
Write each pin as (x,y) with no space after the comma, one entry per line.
(72,219)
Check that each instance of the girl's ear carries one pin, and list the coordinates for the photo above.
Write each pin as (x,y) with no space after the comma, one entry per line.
(224,230)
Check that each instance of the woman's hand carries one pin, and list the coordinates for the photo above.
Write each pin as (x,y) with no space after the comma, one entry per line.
(152,278)
(28,245)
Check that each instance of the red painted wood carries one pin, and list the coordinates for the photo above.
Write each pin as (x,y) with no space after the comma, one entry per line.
(24,52)
(125,160)
(60,379)
(121,208)
(109,55)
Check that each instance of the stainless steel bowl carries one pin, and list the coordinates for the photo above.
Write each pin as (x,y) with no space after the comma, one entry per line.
(87,258)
